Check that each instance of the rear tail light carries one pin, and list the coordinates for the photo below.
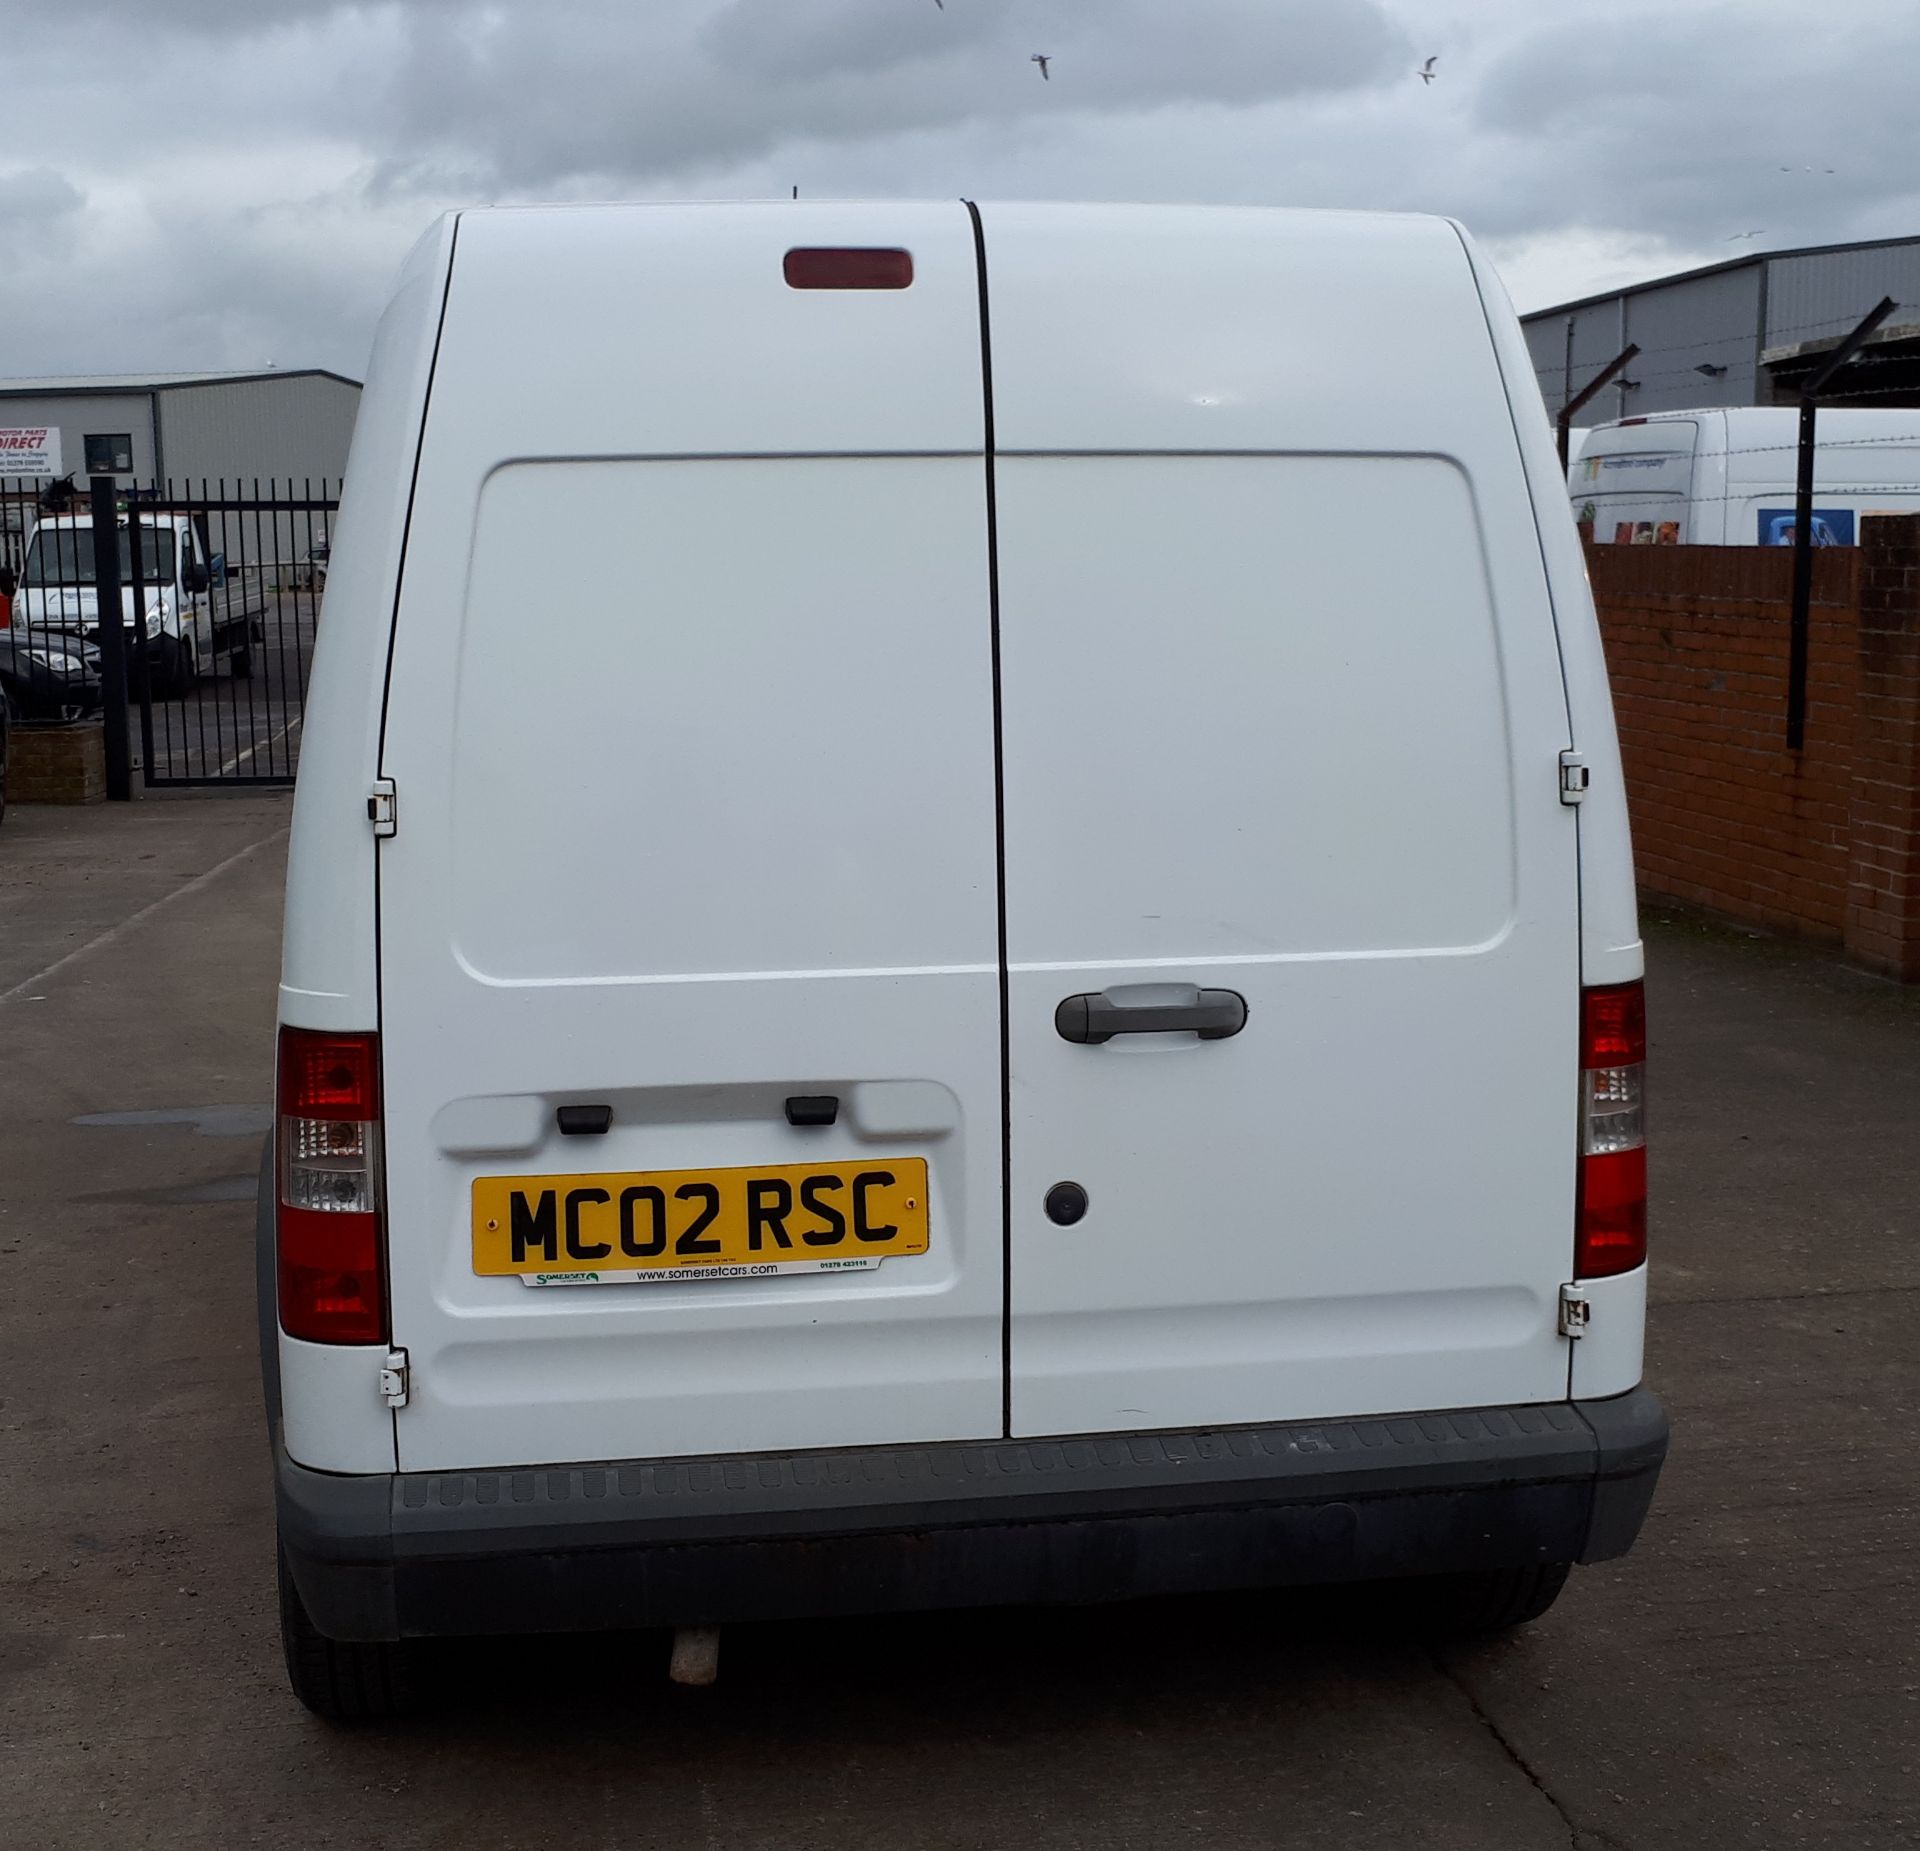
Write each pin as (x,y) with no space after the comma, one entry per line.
(329,1209)
(1610,1233)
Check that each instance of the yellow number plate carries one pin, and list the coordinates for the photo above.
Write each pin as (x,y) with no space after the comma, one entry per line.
(699,1224)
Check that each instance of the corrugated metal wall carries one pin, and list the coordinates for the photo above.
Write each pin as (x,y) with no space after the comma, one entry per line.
(1680,327)
(80,415)
(1715,321)
(296,427)
(1814,298)
(1596,339)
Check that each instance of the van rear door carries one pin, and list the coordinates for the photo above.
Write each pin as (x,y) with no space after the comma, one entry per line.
(1633,483)
(1282,712)
(691,726)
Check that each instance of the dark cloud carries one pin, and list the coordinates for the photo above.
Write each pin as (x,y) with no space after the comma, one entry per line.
(34,198)
(231,19)
(1682,126)
(209,182)
(679,89)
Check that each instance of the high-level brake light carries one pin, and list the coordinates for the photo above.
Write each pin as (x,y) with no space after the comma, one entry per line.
(848,267)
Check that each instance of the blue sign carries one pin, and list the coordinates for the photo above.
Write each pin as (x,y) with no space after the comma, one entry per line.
(1831,527)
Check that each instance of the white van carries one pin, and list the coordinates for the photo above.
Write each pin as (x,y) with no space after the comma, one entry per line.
(1004,969)
(1728,478)
(196,614)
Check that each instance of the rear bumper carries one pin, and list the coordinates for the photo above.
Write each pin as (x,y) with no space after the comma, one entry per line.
(1110,1517)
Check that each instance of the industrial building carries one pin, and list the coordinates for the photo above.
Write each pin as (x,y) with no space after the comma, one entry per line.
(189,427)
(1744,332)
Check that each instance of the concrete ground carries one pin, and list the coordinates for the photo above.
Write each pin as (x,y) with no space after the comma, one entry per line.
(230,728)
(1749,1677)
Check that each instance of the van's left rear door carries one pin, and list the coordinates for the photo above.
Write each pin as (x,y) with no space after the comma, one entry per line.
(691,723)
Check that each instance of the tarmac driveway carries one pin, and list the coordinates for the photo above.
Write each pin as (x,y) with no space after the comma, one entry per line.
(1750,1676)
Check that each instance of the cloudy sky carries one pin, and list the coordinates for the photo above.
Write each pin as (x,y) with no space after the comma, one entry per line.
(232,182)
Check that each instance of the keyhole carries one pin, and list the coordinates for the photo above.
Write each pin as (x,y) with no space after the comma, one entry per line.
(1066,1203)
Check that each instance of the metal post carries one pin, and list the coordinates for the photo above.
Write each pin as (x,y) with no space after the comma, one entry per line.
(1810,391)
(139,669)
(105,494)
(1802,583)
(1564,422)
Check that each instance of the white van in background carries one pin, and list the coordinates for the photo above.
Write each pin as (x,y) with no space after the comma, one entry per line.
(196,614)
(1727,477)
(1033,994)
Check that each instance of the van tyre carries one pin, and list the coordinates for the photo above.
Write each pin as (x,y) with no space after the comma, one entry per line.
(342,1680)
(1493,1601)
(178,669)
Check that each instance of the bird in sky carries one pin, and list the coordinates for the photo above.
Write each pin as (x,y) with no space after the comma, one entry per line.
(1738,235)
(1040,58)
(1426,73)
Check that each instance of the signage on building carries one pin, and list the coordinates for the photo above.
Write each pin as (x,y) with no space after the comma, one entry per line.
(30,450)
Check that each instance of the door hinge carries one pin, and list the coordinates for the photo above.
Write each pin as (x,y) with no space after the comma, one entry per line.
(383,807)
(1573,777)
(1576,1311)
(396,1379)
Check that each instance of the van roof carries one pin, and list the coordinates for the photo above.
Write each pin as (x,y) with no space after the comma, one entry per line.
(1851,421)
(148,518)
(1130,319)
(74,385)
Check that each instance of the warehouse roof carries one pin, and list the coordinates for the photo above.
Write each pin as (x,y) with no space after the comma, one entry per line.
(152,382)
(1732,263)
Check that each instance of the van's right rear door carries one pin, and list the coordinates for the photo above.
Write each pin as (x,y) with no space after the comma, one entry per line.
(1282,711)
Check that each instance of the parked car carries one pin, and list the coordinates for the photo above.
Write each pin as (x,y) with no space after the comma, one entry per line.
(6,747)
(52,676)
(196,612)
(1726,477)
(1066,1026)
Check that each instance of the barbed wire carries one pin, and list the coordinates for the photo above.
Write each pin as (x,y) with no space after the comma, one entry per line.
(1770,337)
(1637,376)
(1552,379)
(1890,442)
(1770,496)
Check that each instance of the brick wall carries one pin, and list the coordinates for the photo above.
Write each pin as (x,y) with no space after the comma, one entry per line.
(57,764)
(1883,902)
(1823,843)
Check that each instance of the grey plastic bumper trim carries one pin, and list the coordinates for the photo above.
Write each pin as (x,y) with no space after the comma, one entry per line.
(1100,1517)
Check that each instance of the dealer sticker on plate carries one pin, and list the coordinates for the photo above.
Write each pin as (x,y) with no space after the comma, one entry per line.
(657,1225)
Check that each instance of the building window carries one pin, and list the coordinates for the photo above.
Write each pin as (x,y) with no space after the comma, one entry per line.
(110,454)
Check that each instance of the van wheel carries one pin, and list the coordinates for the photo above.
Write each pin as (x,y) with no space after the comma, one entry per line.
(342,1680)
(178,669)
(1492,1601)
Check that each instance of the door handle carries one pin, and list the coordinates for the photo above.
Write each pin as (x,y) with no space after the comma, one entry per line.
(1151,1009)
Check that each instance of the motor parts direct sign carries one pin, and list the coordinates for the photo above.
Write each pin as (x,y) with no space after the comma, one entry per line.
(30,450)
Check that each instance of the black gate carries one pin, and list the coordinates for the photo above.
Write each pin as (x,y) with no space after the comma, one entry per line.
(204,681)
